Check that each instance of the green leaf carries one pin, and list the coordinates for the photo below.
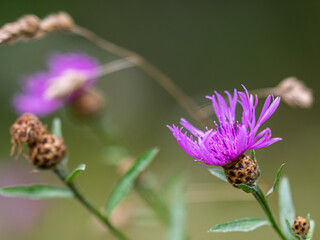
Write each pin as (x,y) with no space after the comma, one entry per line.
(276,182)
(36,192)
(311,230)
(246,188)
(286,207)
(125,184)
(253,155)
(56,127)
(75,172)
(178,212)
(289,227)
(242,225)
(219,173)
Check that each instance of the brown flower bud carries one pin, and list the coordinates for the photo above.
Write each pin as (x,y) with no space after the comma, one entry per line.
(89,104)
(300,227)
(57,22)
(242,171)
(48,151)
(26,129)
(294,92)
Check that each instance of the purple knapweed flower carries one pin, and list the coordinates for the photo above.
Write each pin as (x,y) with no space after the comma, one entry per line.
(231,138)
(45,92)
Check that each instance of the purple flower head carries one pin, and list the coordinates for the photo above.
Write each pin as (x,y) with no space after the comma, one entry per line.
(231,138)
(45,92)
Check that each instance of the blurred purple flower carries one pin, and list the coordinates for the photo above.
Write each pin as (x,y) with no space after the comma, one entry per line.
(230,139)
(45,92)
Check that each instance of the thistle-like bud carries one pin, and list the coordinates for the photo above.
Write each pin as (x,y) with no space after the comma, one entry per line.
(26,129)
(244,170)
(89,104)
(300,227)
(48,151)
(57,22)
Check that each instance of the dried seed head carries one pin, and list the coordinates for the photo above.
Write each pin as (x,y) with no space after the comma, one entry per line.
(26,129)
(300,227)
(48,151)
(57,22)
(25,27)
(89,104)
(294,92)
(242,171)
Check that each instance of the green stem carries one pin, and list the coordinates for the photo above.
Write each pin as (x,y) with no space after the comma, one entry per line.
(265,206)
(62,173)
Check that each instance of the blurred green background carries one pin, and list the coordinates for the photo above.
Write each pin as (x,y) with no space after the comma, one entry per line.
(203,46)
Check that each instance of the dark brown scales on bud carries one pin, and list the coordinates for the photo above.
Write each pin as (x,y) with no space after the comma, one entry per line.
(300,227)
(26,129)
(242,171)
(48,151)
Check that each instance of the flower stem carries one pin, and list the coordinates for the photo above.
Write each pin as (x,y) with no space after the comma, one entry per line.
(265,206)
(62,172)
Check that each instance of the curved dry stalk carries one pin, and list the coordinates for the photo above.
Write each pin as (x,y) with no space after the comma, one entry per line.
(163,80)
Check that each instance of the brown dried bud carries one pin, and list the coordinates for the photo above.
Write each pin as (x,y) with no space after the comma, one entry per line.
(26,129)
(242,171)
(48,151)
(89,104)
(300,227)
(294,92)
(57,22)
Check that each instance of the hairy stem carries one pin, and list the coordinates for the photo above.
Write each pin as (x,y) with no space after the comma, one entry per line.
(62,173)
(163,80)
(265,206)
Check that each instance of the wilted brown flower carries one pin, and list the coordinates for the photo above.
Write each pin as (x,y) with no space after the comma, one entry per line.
(26,129)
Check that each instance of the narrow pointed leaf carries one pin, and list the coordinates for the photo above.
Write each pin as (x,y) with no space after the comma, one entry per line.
(276,182)
(253,155)
(246,188)
(75,172)
(36,192)
(219,173)
(286,208)
(56,127)
(242,225)
(125,184)
(178,212)
(311,230)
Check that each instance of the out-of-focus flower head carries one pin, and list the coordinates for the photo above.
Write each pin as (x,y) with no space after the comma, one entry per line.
(68,76)
(231,138)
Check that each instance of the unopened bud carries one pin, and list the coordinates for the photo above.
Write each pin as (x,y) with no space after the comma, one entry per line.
(242,171)
(294,92)
(48,151)
(26,129)
(300,227)
(89,103)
